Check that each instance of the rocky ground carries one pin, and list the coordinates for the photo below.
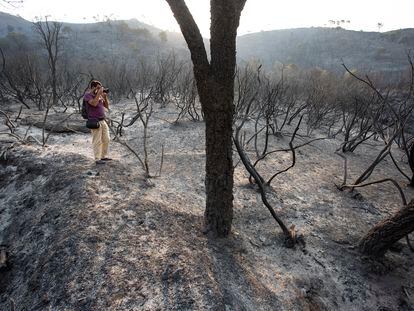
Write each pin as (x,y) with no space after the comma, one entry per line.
(87,237)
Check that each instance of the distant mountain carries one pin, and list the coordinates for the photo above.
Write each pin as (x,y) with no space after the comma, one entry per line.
(328,47)
(122,39)
(10,23)
(325,48)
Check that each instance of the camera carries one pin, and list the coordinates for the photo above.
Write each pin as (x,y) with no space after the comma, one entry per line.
(105,90)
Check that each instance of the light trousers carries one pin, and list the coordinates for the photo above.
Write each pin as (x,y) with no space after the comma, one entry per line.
(100,140)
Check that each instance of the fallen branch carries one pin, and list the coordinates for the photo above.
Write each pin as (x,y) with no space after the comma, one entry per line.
(382,236)
(125,144)
(290,234)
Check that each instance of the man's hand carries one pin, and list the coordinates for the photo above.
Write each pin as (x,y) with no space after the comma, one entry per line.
(99,92)
(98,95)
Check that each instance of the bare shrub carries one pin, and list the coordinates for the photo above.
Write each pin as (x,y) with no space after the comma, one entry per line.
(185,96)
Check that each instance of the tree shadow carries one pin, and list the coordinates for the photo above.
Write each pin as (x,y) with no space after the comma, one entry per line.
(90,242)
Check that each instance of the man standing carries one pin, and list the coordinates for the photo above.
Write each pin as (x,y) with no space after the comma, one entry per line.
(97,100)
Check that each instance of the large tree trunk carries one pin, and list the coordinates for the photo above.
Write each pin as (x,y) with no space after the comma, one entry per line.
(219,172)
(215,85)
(380,238)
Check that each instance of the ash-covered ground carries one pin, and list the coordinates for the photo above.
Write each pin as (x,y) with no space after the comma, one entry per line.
(87,237)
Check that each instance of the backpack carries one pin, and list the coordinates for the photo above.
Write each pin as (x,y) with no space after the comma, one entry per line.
(84,110)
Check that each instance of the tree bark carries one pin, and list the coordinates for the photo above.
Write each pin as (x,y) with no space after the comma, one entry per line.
(215,84)
(219,173)
(380,238)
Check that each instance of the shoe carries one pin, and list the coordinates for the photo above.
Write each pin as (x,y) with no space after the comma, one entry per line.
(100,162)
(106,159)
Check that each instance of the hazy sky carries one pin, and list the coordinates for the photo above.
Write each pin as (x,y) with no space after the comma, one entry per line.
(257,15)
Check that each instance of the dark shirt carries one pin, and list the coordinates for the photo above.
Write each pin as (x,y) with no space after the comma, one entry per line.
(94,112)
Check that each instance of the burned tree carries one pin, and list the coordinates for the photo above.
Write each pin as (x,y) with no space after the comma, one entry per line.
(392,116)
(15,78)
(168,68)
(319,97)
(396,110)
(382,236)
(360,109)
(50,34)
(185,96)
(390,230)
(246,107)
(215,81)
